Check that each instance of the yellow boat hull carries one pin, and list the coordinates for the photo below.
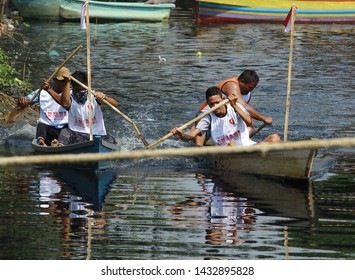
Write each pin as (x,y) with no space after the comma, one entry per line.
(274,11)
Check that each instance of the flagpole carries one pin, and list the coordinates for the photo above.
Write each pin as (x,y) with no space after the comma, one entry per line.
(88,59)
(288,95)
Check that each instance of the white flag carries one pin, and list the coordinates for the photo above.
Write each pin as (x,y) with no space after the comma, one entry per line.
(83,16)
(288,21)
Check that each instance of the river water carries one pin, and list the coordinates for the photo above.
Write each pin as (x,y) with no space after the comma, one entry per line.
(180,208)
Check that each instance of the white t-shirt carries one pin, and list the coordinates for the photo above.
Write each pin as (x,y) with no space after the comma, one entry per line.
(51,113)
(229,128)
(79,117)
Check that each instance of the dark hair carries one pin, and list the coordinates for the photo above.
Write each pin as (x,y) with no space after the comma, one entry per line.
(211,91)
(81,76)
(249,76)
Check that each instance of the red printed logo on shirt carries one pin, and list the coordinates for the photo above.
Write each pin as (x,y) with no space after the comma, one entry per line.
(231,121)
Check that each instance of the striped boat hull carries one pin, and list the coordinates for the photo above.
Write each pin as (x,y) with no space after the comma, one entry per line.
(274,11)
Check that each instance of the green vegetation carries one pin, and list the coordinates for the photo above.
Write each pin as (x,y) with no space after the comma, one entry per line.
(8,75)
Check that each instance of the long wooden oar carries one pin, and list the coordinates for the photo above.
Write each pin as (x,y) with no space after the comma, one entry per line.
(257,130)
(14,113)
(186,125)
(115,109)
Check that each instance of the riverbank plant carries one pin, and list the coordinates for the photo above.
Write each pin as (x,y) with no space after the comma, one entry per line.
(9,76)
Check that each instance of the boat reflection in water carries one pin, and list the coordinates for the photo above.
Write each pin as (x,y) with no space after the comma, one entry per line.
(92,187)
(75,190)
(73,196)
(291,199)
(240,204)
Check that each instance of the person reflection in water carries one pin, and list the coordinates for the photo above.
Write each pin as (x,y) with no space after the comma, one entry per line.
(228,215)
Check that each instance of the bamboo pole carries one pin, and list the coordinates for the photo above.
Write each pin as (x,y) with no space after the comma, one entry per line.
(3,4)
(262,148)
(88,59)
(88,249)
(288,95)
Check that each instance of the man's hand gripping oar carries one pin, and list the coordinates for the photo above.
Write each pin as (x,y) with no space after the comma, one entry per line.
(18,110)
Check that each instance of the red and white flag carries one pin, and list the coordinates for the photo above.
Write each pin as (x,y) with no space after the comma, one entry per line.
(83,16)
(288,21)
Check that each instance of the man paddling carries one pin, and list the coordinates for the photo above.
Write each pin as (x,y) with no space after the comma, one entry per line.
(242,87)
(77,105)
(228,124)
(52,117)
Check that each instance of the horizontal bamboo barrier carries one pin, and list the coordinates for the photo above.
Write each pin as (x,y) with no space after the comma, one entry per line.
(263,148)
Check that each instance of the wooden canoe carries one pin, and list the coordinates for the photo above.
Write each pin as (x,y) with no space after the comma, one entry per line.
(291,164)
(97,145)
(274,11)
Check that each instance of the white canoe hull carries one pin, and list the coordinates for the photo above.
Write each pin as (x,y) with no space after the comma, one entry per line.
(293,164)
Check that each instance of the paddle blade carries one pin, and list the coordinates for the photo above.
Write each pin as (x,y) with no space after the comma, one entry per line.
(14,113)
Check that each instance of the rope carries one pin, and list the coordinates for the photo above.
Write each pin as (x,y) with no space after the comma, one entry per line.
(263,148)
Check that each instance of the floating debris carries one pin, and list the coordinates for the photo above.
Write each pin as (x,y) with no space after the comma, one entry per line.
(161,59)
(53,53)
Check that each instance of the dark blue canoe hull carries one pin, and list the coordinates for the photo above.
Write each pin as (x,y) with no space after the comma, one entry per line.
(97,145)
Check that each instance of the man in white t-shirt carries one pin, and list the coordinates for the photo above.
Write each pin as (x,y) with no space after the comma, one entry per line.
(52,116)
(75,100)
(228,124)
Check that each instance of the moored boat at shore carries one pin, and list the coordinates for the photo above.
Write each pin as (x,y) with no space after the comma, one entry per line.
(117,11)
(38,9)
(274,11)
(107,11)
